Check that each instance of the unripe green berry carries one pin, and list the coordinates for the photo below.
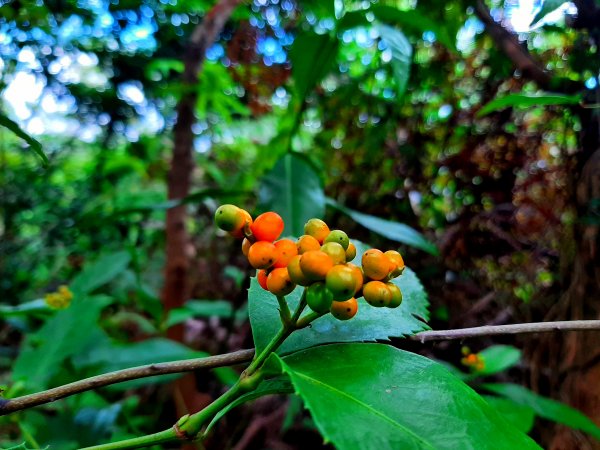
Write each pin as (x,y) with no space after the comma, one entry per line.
(318,297)
(341,281)
(228,218)
(338,236)
(335,251)
(396,293)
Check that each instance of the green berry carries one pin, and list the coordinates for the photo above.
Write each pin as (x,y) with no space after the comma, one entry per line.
(340,237)
(318,297)
(335,251)
(228,218)
(396,299)
(341,281)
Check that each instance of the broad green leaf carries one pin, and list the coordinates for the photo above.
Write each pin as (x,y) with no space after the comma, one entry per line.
(527,101)
(294,190)
(100,272)
(369,324)
(393,231)
(498,358)
(267,387)
(16,129)
(401,55)
(520,416)
(65,334)
(312,56)
(547,7)
(392,399)
(545,407)
(199,308)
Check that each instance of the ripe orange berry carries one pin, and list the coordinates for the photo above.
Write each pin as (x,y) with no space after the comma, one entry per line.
(377,293)
(397,261)
(338,236)
(358,277)
(279,282)
(317,229)
(238,233)
(375,264)
(335,251)
(296,274)
(267,227)
(350,252)
(315,264)
(344,310)
(341,281)
(229,218)
(246,244)
(262,255)
(307,243)
(261,277)
(287,250)
(396,295)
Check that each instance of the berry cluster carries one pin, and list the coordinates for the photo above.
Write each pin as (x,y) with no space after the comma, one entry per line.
(60,299)
(320,260)
(474,361)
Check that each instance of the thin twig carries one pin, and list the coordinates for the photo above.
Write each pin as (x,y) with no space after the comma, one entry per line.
(210,362)
(519,328)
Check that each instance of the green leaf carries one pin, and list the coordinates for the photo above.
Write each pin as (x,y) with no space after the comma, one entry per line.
(312,56)
(34,306)
(401,55)
(199,308)
(394,231)
(62,336)
(33,143)
(392,399)
(547,7)
(294,190)
(267,387)
(520,416)
(527,101)
(545,407)
(498,358)
(100,272)
(369,323)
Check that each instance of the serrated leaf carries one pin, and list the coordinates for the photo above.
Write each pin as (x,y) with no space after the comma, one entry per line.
(100,272)
(527,101)
(401,55)
(376,396)
(520,416)
(369,324)
(393,231)
(547,7)
(498,358)
(293,189)
(33,143)
(545,407)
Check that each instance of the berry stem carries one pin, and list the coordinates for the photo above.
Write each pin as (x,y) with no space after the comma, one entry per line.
(305,321)
(161,437)
(284,310)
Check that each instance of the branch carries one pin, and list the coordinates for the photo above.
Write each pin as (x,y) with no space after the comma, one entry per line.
(519,328)
(40,398)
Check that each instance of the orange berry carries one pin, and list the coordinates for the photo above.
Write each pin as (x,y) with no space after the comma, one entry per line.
(262,255)
(344,310)
(315,264)
(246,219)
(350,252)
(279,282)
(375,264)
(377,293)
(267,227)
(296,274)
(261,277)
(307,243)
(397,261)
(287,250)
(335,251)
(246,244)
(317,229)
(358,277)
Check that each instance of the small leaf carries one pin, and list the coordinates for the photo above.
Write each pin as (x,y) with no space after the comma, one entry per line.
(527,101)
(33,143)
(294,190)
(547,7)
(545,407)
(520,416)
(392,399)
(100,272)
(268,387)
(498,358)
(369,323)
(199,308)
(394,231)
(401,55)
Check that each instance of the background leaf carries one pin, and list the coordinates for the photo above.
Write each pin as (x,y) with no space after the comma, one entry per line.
(100,272)
(392,399)
(199,308)
(293,189)
(16,129)
(393,231)
(401,55)
(545,407)
(527,101)
(520,416)
(498,358)
(369,323)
